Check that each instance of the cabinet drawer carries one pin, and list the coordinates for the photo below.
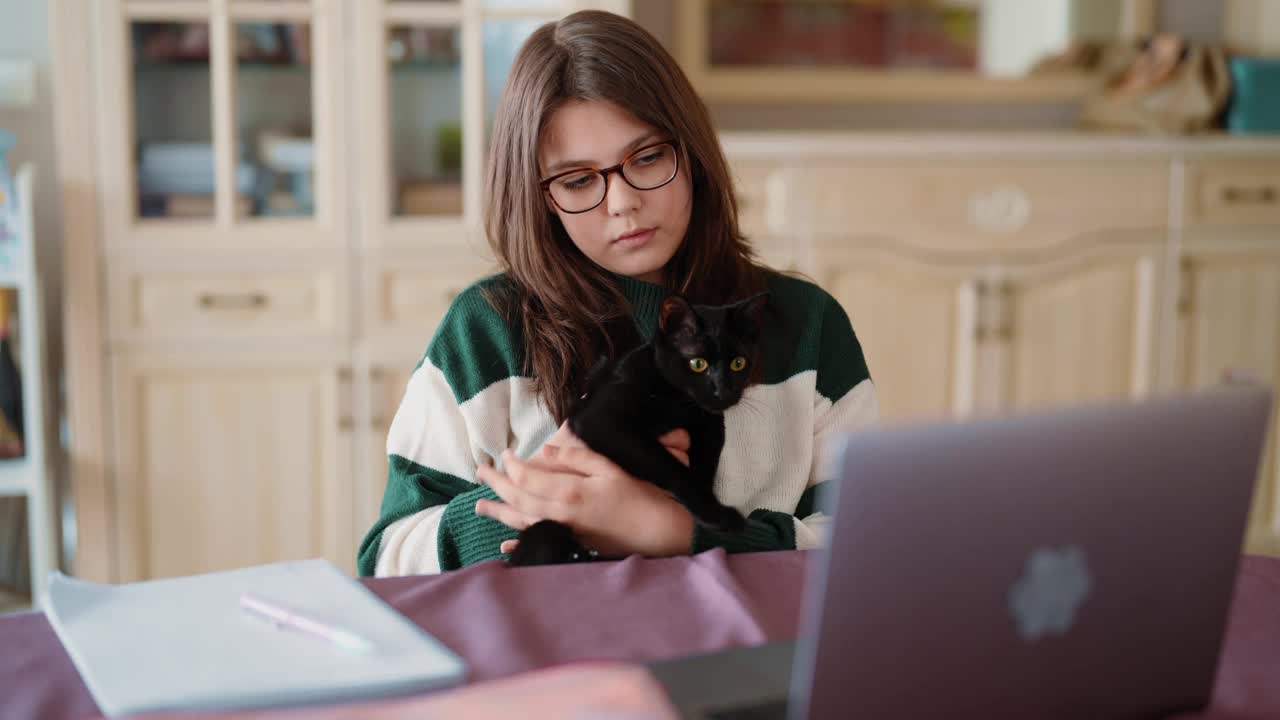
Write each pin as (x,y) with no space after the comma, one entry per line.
(978,207)
(167,304)
(409,301)
(1234,193)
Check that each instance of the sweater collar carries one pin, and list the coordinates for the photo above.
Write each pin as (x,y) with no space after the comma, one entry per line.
(646,299)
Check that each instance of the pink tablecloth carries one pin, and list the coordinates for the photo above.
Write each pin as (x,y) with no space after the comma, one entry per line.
(504,621)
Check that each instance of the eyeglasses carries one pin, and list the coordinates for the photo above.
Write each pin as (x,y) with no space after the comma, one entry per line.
(583,189)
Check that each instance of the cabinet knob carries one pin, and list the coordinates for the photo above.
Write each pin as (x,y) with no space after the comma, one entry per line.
(1004,209)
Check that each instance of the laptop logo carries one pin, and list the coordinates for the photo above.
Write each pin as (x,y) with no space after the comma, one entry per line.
(1052,588)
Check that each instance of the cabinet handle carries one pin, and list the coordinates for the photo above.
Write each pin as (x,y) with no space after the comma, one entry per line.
(376,376)
(980,322)
(233,301)
(1259,195)
(1003,331)
(346,422)
(1185,276)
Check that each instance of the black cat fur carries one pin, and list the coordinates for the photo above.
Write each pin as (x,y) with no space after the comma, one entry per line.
(650,391)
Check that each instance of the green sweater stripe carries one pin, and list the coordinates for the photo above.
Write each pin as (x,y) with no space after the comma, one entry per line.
(466,538)
(475,347)
(410,488)
(766,530)
(839,354)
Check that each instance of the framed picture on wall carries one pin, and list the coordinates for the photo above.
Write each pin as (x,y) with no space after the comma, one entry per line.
(893,50)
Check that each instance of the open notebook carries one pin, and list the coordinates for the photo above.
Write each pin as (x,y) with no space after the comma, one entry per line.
(185,643)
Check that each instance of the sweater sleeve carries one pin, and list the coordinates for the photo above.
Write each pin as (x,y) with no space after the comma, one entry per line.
(456,413)
(844,401)
(429,465)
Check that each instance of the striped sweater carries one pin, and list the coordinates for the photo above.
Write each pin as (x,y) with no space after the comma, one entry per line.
(469,399)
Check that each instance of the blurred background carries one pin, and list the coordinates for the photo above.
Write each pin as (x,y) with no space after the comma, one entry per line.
(228,228)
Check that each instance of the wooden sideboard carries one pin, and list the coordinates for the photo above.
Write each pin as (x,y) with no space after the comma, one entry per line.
(990,274)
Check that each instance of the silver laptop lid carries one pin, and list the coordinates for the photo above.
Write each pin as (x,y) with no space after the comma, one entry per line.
(1073,563)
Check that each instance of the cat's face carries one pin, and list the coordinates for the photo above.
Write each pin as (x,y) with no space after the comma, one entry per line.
(708,351)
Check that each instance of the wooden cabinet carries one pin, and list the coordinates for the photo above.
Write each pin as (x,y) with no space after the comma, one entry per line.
(227,462)
(950,339)
(917,323)
(1229,321)
(983,277)
(1079,330)
(286,200)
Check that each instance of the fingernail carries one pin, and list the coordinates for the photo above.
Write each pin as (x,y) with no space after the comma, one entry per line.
(479,506)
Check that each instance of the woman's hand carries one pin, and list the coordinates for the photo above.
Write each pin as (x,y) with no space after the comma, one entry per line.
(610,511)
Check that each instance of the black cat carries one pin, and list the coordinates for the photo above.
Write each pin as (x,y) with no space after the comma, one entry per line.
(696,367)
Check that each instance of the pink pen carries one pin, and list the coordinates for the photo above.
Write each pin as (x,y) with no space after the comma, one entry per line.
(285,618)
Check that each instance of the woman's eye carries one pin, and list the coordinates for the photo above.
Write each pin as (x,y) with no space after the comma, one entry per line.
(648,159)
(577,183)
(738,364)
(698,365)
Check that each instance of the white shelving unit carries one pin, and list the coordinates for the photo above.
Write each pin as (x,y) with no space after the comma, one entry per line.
(29,475)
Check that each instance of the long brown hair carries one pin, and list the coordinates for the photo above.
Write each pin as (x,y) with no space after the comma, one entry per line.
(568,308)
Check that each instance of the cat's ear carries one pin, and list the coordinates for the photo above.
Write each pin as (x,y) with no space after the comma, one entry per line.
(676,316)
(752,309)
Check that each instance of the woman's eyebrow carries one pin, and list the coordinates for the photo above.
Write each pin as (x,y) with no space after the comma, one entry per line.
(569,164)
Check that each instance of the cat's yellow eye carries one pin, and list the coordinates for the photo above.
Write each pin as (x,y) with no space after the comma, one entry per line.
(698,365)
(738,364)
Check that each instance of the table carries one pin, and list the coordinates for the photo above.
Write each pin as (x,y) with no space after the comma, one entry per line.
(508,620)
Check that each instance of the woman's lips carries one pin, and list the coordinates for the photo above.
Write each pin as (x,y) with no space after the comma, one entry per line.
(635,238)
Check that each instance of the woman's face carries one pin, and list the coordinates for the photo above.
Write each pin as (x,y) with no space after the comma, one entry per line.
(631,232)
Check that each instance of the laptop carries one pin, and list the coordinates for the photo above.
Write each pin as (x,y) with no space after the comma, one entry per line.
(1072,563)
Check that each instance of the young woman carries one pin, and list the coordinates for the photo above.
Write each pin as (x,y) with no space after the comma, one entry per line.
(607,190)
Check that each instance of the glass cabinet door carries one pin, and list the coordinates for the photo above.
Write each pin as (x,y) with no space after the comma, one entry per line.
(173,119)
(436,71)
(424,75)
(220,123)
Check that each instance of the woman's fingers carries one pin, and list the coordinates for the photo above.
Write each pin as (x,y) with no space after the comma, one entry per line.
(511,487)
(677,442)
(508,546)
(542,480)
(582,460)
(504,513)
(677,439)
